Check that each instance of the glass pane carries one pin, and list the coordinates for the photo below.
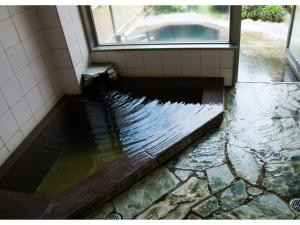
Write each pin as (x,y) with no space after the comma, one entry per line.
(295,36)
(161,24)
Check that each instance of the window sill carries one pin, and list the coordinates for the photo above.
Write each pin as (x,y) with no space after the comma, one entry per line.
(162,47)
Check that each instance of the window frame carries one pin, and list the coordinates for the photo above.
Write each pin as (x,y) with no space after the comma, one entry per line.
(94,44)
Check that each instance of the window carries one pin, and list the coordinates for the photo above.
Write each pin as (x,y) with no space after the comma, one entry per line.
(169,24)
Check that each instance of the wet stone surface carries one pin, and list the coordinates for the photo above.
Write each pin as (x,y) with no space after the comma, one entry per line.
(254,191)
(258,141)
(193,217)
(207,207)
(224,216)
(140,196)
(234,195)
(268,206)
(244,164)
(283,177)
(178,203)
(183,174)
(219,177)
(208,152)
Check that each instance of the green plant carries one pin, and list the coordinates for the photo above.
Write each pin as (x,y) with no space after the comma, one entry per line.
(251,12)
(164,9)
(272,13)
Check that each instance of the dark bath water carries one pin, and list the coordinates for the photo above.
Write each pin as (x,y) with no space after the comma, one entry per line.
(85,135)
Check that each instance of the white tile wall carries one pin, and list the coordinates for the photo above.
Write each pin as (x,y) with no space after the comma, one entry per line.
(210,59)
(66,39)
(17,57)
(35,99)
(8,126)
(32,47)
(21,111)
(26,78)
(3,105)
(23,24)
(12,91)
(171,63)
(8,34)
(28,82)
(3,12)
(6,69)
(4,154)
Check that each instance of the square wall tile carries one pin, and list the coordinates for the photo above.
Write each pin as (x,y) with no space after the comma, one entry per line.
(191,72)
(28,126)
(39,68)
(75,54)
(118,58)
(191,59)
(67,77)
(61,58)
(3,105)
(26,78)
(210,59)
(42,42)
(4,154)
(21,111)
(98,57)
(12,91)
(34,19)
(48,16)
(17,57)
(172,59)
(74,12)
(210,72)
(15,9)
(6,69)
(154,72)
(153,60)
(64,12)
(31,47)
(35,99)
(48,61)
(1,143)
(228,75)
(46,88)
(15,141)
(227,59)
(8,34)
(8,126)
(23,25)
(1,47)
(4,12)
(134,60)
(69,32)
(55,38)
(172,72)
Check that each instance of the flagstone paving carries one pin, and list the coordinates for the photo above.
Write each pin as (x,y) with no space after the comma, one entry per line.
(249,168)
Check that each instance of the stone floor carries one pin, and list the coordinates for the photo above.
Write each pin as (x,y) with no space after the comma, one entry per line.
(249,168)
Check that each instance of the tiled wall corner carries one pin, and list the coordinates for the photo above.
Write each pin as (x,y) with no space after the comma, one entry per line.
(171,63)
(28,79)
(68,45)
(54,34)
